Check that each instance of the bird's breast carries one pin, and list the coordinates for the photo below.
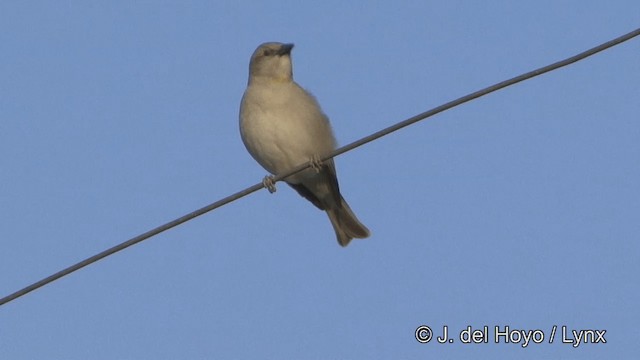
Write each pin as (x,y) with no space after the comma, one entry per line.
(283,126)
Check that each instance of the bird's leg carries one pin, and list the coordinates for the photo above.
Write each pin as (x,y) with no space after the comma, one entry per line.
(315,163)
(269,184)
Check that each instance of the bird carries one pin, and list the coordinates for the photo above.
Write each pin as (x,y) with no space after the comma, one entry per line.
(282,126)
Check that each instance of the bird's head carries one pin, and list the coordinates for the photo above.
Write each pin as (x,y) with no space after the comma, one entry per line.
(272,61)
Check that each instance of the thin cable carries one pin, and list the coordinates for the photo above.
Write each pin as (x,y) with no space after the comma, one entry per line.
(297,169)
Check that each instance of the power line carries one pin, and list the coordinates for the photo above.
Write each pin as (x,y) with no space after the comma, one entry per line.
(337,152)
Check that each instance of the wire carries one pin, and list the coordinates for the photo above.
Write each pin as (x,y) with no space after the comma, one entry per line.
(299,168)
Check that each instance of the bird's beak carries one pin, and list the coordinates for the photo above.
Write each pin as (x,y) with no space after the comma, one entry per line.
(285,49)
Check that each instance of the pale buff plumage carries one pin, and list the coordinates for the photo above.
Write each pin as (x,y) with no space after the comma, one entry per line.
(283,126)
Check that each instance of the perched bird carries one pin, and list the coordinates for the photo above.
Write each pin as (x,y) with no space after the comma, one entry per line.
(282,126)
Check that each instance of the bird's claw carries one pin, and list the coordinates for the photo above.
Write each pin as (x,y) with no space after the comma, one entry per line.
(315,163)
(269,184)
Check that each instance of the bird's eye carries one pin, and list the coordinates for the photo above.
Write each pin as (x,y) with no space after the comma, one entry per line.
(266,52)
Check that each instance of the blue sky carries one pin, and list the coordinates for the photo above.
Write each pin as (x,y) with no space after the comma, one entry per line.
(519,209)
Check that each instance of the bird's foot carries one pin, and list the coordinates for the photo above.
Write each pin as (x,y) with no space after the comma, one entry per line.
(315,163)
(269,184)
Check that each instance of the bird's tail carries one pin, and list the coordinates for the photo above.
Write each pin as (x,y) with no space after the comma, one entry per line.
(346,224)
